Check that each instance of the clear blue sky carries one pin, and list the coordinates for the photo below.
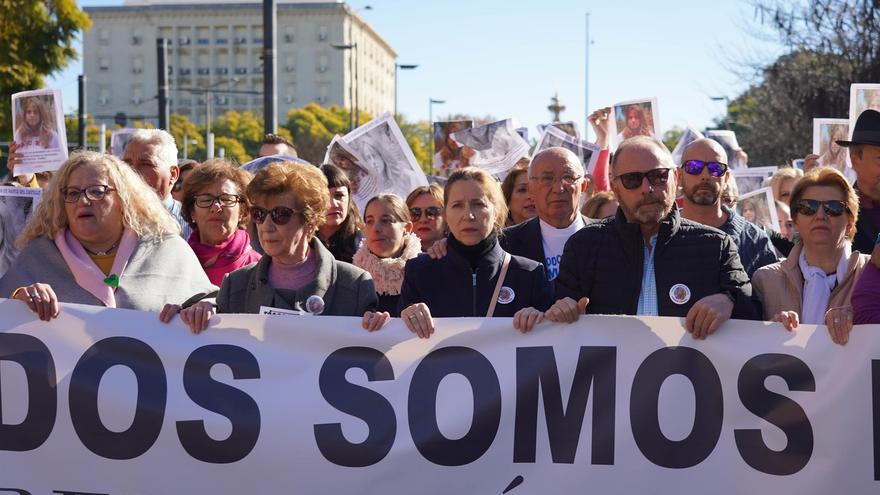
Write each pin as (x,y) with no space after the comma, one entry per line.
(507,58)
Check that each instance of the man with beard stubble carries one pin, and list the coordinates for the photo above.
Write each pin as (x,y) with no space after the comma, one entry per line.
(703,175)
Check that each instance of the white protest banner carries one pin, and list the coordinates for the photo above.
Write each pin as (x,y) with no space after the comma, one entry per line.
(114,402)
(38,130)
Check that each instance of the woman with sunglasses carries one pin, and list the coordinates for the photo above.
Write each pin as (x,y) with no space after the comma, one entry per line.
(215,206)
(815,283)
(425,205)
(342,230)
(290,202)
(101,237)
(476,277)
(389,245)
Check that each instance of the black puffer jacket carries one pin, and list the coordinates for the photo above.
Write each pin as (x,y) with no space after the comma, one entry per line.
(604,262)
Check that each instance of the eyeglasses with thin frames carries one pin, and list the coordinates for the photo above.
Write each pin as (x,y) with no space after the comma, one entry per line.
(547,180)
(208,200)
(95,192)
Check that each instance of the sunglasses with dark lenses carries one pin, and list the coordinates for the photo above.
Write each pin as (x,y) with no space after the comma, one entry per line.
(431,213)
(633,180)
(93,193)
(281,215)
(695,167)
(832,207)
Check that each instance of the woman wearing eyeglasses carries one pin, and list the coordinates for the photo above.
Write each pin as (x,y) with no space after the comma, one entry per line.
(815,283)
(101,237)
(476,277)
(425,205)
(215,206)
(296,272)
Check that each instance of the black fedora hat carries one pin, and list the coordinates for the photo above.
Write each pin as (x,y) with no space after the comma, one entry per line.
(867,130)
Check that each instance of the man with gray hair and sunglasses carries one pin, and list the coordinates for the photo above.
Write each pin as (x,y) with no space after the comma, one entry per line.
(152,153)
(648,260)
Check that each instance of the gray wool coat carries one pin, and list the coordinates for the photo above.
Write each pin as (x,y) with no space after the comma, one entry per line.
(158,272)
(345,289)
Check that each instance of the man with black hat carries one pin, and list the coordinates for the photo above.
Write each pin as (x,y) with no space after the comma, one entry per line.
(864,153)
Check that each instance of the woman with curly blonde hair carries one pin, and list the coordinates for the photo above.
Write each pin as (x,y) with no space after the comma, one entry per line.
(36,126)
(101,237)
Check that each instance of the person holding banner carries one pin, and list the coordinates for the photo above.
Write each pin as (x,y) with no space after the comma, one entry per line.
(815,283)
(342,232)
(216,208)
(648,260)
(296,273)
(498,283)
(389,244)
(425,205)
(101,237)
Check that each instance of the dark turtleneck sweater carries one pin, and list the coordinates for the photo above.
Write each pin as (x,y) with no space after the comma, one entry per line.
(473,254)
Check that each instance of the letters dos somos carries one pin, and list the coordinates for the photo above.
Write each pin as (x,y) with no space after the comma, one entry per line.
(537,382)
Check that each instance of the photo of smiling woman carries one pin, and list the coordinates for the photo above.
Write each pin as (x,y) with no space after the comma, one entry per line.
(476,277)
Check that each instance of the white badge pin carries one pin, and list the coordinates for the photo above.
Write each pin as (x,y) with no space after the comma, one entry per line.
(680,294)
(315,305)
(506,295)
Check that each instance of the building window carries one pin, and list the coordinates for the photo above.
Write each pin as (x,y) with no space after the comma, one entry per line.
(322,33)
(104,64)
(104,36)
(104,96)
(288,35)
(323,63)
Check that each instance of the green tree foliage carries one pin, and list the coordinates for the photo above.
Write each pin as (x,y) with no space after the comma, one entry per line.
(232,148)
(418,136)
(195,140)
(313,127)
(832,44)
(671,137)
(93,132)
(37,38)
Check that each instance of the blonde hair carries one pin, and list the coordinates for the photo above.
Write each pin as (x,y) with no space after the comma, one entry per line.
(489,185)
(306,183)
(398,208)
(781,175)
(831,177)
(142,211)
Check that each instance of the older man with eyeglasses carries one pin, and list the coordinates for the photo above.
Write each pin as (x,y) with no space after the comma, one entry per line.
(647,260)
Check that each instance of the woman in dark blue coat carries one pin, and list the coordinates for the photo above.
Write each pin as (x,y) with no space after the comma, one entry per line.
(476,277)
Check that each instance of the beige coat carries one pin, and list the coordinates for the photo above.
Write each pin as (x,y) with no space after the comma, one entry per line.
(780,286)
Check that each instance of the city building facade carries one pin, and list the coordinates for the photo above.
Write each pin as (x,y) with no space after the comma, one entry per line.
(218,45)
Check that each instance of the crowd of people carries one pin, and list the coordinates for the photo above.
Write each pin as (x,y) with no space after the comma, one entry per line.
(641,235)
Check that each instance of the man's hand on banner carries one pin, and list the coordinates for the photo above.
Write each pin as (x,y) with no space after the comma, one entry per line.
(526,319)
(839,322)
(567,310)
(789,319)
(417,318)
(40,298)
(196,316)
(373,321)
(708,314)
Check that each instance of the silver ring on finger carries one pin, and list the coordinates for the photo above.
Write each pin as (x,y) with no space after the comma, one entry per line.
(413,317)
(836,320)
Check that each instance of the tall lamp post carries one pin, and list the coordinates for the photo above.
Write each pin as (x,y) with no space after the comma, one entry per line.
(352,82)
(396,68)
(726,101)
(431,103)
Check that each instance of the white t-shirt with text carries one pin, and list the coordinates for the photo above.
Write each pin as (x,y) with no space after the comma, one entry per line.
(553,240)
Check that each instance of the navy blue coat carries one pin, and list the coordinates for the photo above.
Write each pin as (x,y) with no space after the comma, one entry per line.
(451,289)
(525,240)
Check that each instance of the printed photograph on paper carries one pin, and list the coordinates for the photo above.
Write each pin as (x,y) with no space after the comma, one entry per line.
(587,152)
(687,137)
(862,97)
(825,134)
(449,155)
(759,208)
(727,140)
(338,153)
(751,178)
(38,130)
(495,147)
(17,204)
(119,139)
(570,128)
(635,118)
(386,163)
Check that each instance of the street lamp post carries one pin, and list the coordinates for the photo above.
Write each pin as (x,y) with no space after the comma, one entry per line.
(352,82)
(396,68)
(431,103)
(726,101)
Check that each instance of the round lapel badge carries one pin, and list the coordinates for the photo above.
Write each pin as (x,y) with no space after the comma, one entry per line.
(315,305)
(506,295)
(680,294)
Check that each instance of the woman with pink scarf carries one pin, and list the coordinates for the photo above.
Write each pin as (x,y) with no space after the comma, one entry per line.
(215,206)
(101,237)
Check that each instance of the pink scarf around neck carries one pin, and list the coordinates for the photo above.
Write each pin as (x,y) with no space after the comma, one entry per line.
(228,256)
(86,272)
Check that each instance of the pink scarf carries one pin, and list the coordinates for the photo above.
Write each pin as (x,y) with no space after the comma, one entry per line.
(228,256)
(86,272)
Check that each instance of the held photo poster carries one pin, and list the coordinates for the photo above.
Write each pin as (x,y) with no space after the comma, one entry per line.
(759,208)
(449,155)
(635,118)
(38,130)
(17,204)
(587,152)
(825,134)
(496,146)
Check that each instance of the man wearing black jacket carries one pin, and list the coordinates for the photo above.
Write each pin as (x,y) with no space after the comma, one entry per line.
(647,260)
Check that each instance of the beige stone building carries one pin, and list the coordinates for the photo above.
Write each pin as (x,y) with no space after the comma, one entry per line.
(218,45)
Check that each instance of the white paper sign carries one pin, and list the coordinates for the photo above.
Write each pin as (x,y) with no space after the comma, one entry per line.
(39,131)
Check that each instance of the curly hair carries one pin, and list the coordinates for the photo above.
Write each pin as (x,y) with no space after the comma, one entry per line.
(208,173)
(305,182)
(142,211)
